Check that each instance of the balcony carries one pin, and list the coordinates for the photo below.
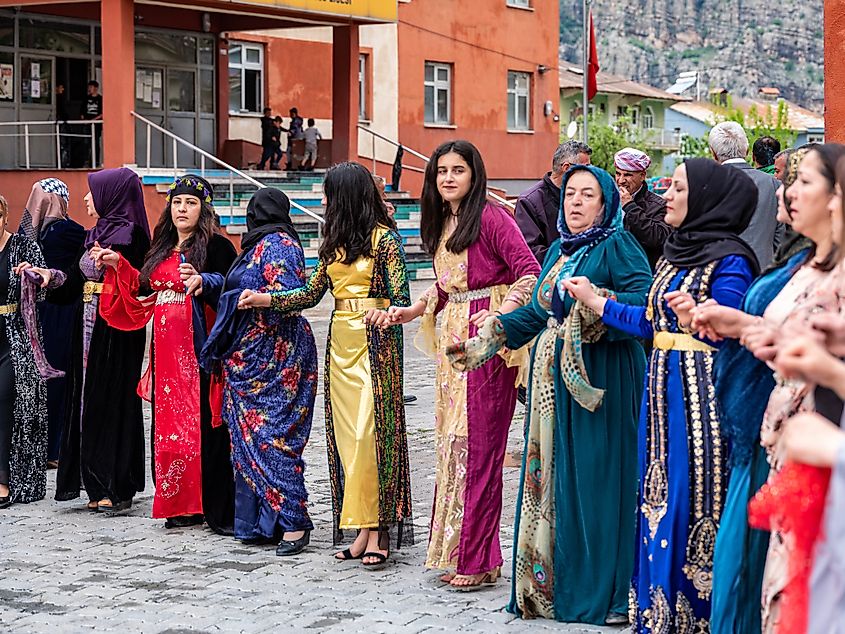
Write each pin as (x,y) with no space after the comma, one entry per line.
(659,139)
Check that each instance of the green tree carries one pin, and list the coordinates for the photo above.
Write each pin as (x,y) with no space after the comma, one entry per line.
(606,140)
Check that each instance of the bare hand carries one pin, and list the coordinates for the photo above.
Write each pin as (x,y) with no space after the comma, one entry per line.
(186,270)
(832,327)
(46,274)
(580,288)
(624,196)
(480,317)
(251,299)
(761,340)
(682,305)
(377,318)
(812,439)
(400,314)
(716,322)
(193,284)
(806,359)
(102,256)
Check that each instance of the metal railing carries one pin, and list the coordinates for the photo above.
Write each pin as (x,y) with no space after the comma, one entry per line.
(204,156)
(376,135)
(58,130)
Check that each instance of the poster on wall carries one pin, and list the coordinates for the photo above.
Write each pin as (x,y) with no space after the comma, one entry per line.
(7,82)
(35,89)
(35,70)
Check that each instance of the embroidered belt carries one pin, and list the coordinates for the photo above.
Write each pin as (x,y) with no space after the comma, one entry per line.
(89,289)
(469,296)
(679,341)
(168,296)
(360,305)
(8,309)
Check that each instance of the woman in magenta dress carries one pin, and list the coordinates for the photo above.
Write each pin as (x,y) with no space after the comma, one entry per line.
(483,266)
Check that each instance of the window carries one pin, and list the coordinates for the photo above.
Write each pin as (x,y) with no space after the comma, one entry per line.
(362,88)
(522,4)
(648,118)
(815,138)
(519,101)
(246,77)
(635,116)
(438,93)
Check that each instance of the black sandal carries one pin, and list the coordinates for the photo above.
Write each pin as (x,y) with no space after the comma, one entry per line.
(347,555)
(378,565)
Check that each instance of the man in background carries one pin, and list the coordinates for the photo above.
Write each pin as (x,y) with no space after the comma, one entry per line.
(763,152)
(269,139)
(93,111)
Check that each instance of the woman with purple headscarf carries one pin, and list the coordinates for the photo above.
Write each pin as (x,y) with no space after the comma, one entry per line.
(103,439)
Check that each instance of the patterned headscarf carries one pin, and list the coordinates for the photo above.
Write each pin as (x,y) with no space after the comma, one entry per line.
(631,160)
(193,185)
(47,203)
(791,174)
(577,245)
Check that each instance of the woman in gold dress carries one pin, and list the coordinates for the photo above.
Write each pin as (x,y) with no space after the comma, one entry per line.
(362,263)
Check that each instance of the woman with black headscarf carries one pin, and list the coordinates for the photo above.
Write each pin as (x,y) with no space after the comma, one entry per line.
(682,456)
(103,437)
(270,380)
(183,275)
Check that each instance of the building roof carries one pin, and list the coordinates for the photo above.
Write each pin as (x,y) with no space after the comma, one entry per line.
(798,118)
(571,78)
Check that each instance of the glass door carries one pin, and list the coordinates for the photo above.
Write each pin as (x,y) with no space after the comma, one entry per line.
(37,103)
(150,104)
(182,113)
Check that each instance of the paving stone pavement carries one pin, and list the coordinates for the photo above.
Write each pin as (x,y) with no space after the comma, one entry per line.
(65,569)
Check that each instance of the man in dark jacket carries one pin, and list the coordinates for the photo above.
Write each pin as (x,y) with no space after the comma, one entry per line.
(643,211)
(538,207)
(269,140)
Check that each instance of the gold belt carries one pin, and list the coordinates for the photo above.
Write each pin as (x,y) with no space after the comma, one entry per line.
(360,305)
(89,289)
(8,309)
(679,341)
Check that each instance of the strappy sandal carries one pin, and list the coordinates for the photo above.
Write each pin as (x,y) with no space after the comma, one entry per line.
(488,579)
(378,565)
(347,555)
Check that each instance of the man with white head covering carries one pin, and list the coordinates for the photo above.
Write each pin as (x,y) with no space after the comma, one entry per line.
(643,210)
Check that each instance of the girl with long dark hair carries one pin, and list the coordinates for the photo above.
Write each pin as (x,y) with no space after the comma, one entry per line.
(184,272)
(483,267)
(362,262)
(103,437)
(270,380)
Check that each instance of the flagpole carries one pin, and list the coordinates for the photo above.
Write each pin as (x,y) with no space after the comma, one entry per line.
(586,56)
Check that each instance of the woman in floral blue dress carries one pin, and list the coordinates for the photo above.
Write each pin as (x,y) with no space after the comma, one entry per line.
(270,380)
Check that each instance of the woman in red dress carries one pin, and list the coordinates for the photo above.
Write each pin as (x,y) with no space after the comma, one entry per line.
(184,273)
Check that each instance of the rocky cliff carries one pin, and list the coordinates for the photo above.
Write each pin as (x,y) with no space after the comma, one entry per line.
(737,44)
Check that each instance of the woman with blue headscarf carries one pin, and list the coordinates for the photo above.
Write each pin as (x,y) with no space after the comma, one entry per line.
(574,531)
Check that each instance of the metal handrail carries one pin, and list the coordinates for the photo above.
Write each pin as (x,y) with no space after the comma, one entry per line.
(376,135)
(206,155)
(56,124)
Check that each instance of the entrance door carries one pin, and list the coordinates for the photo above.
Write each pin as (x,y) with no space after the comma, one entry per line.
(182,114)
(37,104)
(150,104)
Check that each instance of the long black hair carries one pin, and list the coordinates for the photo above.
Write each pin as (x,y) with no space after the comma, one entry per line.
(354,209)
(166,238)
(435,211)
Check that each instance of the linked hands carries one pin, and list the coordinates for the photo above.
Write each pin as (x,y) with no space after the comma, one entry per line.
(103,256)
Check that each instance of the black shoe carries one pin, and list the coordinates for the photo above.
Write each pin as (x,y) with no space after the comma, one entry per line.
(409,398)
(5,502)
(286,548)
(183,521)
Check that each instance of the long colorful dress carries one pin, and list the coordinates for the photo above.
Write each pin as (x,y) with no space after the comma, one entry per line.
(365,412)
(270,383)
(190,444)
(682,455)
(103,435)
(471,428)
(741,381)
(578,488)
(808,292)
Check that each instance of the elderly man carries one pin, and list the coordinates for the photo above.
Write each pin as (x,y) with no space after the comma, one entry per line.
(729,145)
(537,209)
(643,210)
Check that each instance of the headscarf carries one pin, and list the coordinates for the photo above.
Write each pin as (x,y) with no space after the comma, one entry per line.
(268,212)
(47,203)
(577,245)
(193,185)
(119,201)
(792,241)
(631,160)
(721,202)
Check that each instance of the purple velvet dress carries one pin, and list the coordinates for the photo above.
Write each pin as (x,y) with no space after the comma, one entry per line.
(473,410)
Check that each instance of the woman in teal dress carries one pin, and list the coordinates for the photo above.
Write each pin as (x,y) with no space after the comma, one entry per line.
(682,453)
(574,532)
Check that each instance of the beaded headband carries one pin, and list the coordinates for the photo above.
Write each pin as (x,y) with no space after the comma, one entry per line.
(191,185)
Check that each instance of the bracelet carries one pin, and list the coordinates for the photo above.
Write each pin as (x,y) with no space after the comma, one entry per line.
(497,312)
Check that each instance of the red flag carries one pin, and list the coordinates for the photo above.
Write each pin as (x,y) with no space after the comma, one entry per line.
(593,65)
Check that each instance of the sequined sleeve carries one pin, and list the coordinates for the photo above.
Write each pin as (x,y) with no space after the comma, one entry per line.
(396,271)
(307,296)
